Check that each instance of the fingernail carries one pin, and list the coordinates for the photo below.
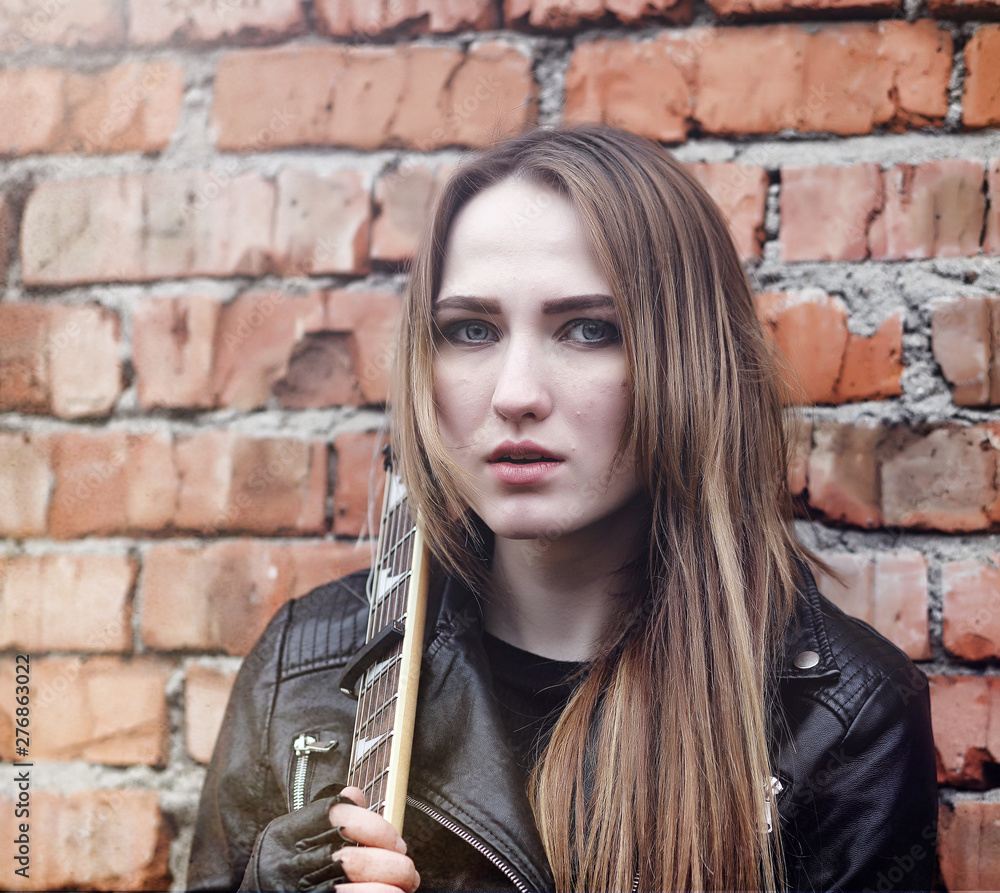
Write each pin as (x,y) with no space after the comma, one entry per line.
(401,845)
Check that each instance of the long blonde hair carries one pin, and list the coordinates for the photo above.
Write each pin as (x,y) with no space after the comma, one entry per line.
(658,767)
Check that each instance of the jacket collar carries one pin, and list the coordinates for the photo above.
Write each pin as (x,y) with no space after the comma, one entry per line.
(807,654)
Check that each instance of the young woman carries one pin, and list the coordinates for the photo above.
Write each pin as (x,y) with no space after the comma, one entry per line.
(630,680)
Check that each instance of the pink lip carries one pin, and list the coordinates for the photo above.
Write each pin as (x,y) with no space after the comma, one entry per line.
(519,450)
(522,474)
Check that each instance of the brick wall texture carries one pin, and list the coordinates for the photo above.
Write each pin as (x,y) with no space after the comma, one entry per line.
(206,212)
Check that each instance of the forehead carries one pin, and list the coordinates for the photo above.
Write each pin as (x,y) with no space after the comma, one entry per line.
(519,233)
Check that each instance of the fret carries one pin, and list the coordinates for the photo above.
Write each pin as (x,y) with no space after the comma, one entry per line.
(386,583)
(379,670)
(365,745)
(365,725)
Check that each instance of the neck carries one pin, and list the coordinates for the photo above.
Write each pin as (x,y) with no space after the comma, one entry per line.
(555,598)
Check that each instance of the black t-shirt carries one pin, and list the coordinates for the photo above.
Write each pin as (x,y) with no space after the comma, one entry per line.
(532,692)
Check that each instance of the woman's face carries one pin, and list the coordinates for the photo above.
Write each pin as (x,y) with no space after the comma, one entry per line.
(530,372)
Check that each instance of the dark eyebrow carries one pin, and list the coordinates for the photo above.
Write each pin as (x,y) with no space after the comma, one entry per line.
(570,304)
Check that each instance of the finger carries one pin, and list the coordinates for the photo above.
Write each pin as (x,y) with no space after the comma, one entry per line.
(369,865)
(367,888)
(365,827)
(355,794)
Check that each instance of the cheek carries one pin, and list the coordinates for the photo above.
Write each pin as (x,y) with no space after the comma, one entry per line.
(461,402)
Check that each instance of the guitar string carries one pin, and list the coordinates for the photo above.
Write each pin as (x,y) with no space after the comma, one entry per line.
(352,769)
(383,611)
(356,773)
(389,685)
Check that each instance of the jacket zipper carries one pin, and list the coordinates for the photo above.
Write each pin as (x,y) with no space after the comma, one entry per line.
(770,795)
(304,746)
(473,841)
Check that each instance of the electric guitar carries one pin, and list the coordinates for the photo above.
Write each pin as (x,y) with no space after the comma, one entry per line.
(383,676)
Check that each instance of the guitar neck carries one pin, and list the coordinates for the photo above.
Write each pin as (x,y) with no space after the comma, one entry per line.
(387,690)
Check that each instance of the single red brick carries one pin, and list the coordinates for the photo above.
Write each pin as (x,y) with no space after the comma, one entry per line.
(322,223)
(843,472)
(65,23)
(59,358)
(740,191)
(873,364)
(130,108)
(963,708)
(846,79)
(969,845)
(89,492)
(800,433)
(961,336)
(934,209)
(942,480)
(727,9)
(141,227)
(24,358)
(83,231)
(206,693)
(260,485)
(221,596)
(109,839)
(101,709)
(172,351)
(647,87)
(153,23)
(981,100)
(809,329)
(85,369)
(25,484)
(403,201)
(205,223)
(971,627)
(41,91)
(66,602)
(358,484)
(111,483)
(423,97)
(900,610)
(565,15)
(825,211)
(364,19)
(991,241)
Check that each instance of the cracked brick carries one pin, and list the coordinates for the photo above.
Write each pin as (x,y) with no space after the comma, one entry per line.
(369,97)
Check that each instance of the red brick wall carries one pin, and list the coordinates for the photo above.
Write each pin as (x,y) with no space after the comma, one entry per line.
(205,211)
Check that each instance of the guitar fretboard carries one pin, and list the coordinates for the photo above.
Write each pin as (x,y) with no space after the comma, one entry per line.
(379,686)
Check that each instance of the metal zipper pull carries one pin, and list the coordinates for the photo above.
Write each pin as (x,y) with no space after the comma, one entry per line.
(304,745)
(771,792)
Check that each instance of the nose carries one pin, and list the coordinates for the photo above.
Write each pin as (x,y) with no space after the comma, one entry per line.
(522,389)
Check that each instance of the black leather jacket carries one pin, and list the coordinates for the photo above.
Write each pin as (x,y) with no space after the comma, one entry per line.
(853,752)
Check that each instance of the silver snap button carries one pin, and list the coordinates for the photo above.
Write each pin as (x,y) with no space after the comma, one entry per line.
(806,660)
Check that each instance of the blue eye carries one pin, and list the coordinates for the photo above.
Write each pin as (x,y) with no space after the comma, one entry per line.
(470,332)
(593,332)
